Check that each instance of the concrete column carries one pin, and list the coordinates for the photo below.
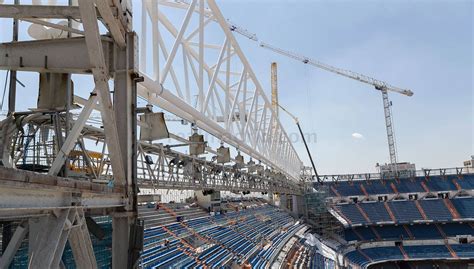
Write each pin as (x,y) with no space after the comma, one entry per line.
(120,242)
(283,201)
(294,204)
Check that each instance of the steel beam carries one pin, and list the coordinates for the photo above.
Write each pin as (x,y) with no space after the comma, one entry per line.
(114,25)
(24,192)
(48,55)
(44,12)
(71,139)
(81,244)
(15,243)
(97,60)
(45,239)
(220,96)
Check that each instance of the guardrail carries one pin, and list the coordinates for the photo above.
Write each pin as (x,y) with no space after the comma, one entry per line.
(405,174)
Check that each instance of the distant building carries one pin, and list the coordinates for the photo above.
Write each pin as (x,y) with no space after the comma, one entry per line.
(404,169)
(469,164)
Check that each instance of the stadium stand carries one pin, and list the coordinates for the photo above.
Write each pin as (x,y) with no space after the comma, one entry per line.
(464,206)
(406,219)
(424,218)
(407,211)
(403,185)
(178,235)
(435,209)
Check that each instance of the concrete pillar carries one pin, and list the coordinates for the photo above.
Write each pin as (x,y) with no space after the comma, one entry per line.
(120,242)
(283,201)
(270,198)
(294,204)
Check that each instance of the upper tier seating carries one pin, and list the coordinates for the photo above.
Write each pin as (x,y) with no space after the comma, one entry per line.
(406,211)
(403,185)
(466,182)
(377,186)
(440,184)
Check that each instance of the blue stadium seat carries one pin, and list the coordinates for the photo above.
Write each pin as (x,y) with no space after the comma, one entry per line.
(437,183)
(465,206)
(464,250)
(350,235)
(357,258)
(384,253)
(345,188)
(405,211)
(366,233)
(374,187)
(424,231)
(403,185)
(453,229)
(376,211)
(435,209)
(392,232)
(407,185)
(427,252)
(351,212)
(466,181)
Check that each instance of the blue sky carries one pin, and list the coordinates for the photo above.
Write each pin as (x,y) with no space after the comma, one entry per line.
(426,46)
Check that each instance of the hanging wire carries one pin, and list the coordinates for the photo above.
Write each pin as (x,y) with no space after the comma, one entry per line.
(4,90)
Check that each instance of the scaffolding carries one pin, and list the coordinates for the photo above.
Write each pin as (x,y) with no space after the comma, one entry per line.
(318,215)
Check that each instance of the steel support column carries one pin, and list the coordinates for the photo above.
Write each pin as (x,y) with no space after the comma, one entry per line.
(125,98)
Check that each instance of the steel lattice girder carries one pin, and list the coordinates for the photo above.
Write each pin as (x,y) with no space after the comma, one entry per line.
(237,111)
(175,170)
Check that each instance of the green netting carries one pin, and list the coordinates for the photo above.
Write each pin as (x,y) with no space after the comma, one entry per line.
(102,249)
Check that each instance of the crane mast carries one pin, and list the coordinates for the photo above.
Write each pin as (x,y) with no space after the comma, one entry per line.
(389,126)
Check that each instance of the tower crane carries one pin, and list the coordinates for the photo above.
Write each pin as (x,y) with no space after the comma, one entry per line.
(379,85)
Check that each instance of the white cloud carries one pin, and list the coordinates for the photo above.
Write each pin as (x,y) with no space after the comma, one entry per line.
(357,136)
